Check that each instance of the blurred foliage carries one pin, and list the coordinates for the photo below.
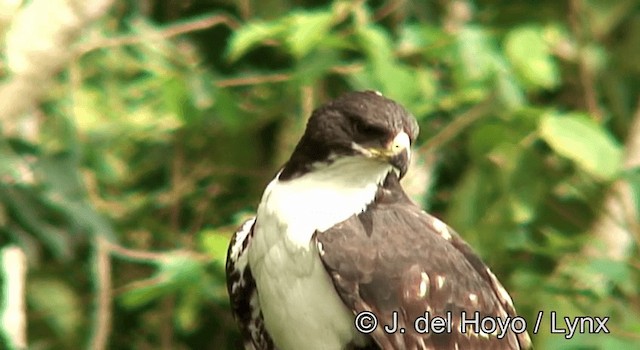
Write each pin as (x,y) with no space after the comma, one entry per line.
(162,132)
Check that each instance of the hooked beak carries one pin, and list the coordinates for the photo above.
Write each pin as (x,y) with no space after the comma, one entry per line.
(397,152)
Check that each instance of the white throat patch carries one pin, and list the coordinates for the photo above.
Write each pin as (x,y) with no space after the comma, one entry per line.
(329,194)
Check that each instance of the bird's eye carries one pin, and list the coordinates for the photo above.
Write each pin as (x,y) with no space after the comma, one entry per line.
(369,130)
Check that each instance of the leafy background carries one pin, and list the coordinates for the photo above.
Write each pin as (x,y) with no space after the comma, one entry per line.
(136,135)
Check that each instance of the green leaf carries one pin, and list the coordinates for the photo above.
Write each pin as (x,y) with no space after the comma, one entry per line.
(307,30)
(214,244)
(187,310)
(145,292)
(476,53)
(557,241)
(14,168)
(229,111)
(176,96)
(252,34)
(57,303)
(65,192)
(60,173)
(177,272)
(383,71)
(613,270)
(632,176)
(509,91)
(28,213)
(525,187)
(376,43)
(486,137)
(469,202)
(412,38)
(180,268)
(580,139)
(313,68)
(531,57)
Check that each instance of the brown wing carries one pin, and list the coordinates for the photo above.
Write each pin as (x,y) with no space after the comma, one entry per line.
(395,257)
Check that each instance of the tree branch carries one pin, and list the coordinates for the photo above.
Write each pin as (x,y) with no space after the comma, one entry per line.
(103,297)
(168,32)
(12,312)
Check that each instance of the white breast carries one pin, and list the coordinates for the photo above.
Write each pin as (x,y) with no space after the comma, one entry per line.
(300,306)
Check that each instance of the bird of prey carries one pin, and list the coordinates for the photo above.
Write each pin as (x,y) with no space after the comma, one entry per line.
(336,237)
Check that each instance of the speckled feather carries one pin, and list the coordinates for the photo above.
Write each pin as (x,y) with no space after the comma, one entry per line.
(396,257)
(243,294)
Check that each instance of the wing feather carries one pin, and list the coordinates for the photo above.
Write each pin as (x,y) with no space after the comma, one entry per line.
(395,257)
(243,294)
